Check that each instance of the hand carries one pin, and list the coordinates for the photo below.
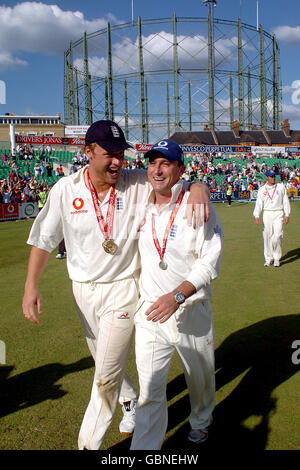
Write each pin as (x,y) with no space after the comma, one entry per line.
(286,219)
(162,309)
(256,220)
(197,207)
(32,302)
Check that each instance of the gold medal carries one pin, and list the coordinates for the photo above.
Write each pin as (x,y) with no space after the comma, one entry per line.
(106,226)
(110,246)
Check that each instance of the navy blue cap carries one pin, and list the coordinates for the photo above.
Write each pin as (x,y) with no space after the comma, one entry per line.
(270,173)
(169,149)
(108,135)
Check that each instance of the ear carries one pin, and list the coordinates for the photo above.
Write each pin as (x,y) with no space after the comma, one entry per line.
(182,169)
(88,152)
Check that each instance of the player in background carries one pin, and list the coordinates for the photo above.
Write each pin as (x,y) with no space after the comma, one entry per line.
(273,201)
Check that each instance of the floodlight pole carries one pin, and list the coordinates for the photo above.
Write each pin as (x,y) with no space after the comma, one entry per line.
(211,60)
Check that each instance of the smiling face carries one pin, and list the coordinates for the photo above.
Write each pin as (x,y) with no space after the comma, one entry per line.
(104,166)
(271,180)
(163,174)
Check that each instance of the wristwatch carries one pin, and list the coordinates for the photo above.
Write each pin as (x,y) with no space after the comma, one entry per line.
(179,296)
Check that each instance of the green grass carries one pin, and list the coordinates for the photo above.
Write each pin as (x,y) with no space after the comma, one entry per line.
(46,381)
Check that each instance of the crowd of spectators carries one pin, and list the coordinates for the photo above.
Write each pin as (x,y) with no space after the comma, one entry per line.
(79,161)
(25,186)
(32,185)
(217,171)
(243,172)
(22,189)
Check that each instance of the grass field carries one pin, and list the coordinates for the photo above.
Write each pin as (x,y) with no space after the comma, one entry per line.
(46,380)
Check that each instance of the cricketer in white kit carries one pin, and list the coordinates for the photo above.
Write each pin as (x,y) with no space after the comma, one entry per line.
(178,264)
(105,286)
(273,200)
(96,212)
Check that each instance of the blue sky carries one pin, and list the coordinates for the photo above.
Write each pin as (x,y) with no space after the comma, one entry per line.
(34,35)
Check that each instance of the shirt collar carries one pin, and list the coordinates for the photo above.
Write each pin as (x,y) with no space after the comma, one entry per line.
(79,177)
(175,193)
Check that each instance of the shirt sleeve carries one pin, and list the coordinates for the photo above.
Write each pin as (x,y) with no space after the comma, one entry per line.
(286,203)
(258,205)
(47,231)
(209,246)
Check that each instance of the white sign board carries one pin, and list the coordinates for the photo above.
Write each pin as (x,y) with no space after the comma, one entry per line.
(268,150)
(28,209)
(76,130)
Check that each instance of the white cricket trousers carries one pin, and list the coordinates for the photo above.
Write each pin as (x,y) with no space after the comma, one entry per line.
(272,234)
(190,331)
(107,313)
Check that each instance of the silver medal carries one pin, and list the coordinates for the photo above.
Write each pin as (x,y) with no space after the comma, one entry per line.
(163,265)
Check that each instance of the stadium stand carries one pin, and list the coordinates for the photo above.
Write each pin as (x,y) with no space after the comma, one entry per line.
(242,170)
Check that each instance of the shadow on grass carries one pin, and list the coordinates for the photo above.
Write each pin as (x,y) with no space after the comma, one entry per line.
(35,385)
(262,352)
(291,256)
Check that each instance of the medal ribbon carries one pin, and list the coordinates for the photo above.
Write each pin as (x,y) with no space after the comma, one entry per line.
(161,252)
(104,225)
(267,192)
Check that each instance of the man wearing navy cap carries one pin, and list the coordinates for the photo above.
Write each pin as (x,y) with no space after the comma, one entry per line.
(178,264)
(272,199)
(97,211)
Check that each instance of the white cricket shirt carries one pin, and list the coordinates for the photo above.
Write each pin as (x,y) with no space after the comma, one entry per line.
(272,198)
(69,213)
(192,255)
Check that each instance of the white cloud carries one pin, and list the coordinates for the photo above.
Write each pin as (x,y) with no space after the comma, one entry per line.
(7,61)
(158,54)
(37,27)
(287,90)
(288,34)
(291,112)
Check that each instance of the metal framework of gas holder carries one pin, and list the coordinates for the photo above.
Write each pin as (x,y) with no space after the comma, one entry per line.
(155,77)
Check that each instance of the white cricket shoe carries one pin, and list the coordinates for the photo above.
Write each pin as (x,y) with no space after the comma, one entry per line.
(267,263)
(127,423)
(198,435)
(276,263)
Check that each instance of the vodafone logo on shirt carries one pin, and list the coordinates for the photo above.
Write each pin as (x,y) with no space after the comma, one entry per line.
(78,204)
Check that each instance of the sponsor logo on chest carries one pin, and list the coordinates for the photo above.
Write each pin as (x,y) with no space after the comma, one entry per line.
(78,205)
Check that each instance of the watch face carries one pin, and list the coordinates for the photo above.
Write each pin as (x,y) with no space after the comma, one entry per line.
(179,298)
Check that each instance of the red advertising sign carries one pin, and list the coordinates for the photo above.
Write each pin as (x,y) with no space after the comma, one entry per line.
(38,139)
(42,140)
(143,147)
(10,211)
(29,139)
(76,141)
(53,140)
